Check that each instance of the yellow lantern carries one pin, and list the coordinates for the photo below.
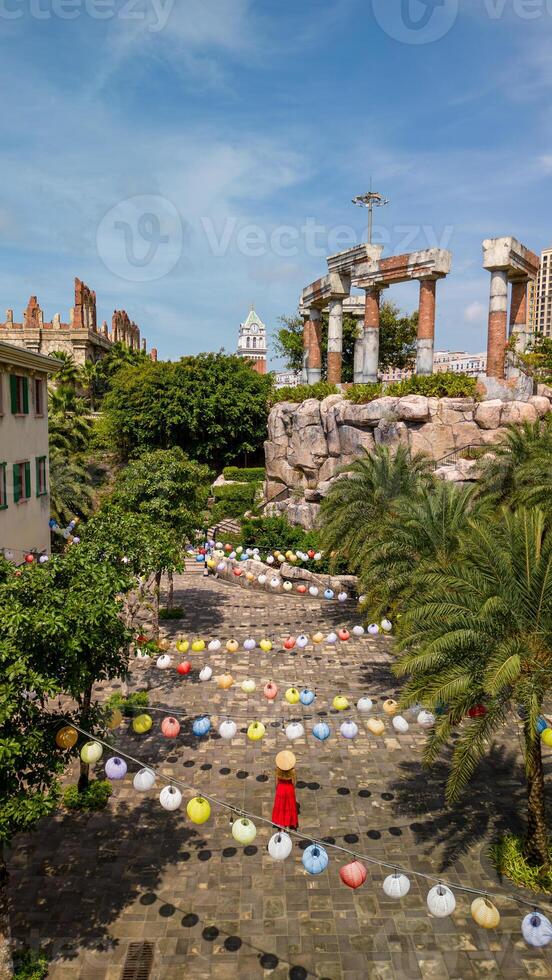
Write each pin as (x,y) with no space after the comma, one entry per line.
(183,646)
(292,695)
(142,724)
(211,563)
(266,646)
(318,638)
(67,737)
(164,645)
(225,681)
(340,702)
(546,736)
(249,576)
(232,646)
(248,685)
(198,646)
(115,720)
(376,726)
(198,810)
(485,913)
(91,753)
(256,731)
(390,707)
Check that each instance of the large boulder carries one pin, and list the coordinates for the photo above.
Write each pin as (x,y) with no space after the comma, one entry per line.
(363,416)
(280,422)
(432,439)
(413,408)
(487,414)
(391,434)
(518,412)
(541,404)
(353,441)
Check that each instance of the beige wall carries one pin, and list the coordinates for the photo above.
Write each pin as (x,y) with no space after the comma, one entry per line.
(23,525)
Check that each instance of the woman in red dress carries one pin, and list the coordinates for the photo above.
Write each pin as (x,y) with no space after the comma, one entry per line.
(284,811)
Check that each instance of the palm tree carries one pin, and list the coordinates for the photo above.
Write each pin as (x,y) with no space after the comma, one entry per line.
(504,473)
(360,497)
(70,492)
(482,635)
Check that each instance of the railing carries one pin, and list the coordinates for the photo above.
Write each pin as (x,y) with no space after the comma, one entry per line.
(455,455)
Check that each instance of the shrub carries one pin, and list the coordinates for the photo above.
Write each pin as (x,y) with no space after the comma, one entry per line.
(246,474)
(30,965)
(361,394)
(244,492)
(299,394)
(94,797)
(507,857)
(138,699)
(445,385)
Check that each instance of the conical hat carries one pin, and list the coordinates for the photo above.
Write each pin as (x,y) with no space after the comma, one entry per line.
(285,760)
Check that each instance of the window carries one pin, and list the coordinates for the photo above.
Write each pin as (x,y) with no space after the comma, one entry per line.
(19,389)
(41,476)
(21,481)
(39,396)
(3,493)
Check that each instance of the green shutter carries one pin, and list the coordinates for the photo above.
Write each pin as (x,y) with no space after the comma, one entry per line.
(13,392)
(16,482)
(25,396)
(37,474)
(27,480)
(3,497)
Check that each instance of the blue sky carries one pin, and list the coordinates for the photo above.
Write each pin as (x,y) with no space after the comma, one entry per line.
(177,154)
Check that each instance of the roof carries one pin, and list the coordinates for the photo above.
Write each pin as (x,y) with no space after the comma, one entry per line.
(23,358)
(253,318)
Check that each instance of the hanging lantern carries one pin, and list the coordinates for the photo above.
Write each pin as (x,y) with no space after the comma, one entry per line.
(163,662)
(221,567)
(400,724)
(256,731)
(262,580)
(116,768)
(349,729)
(239,550)
(390,707)
(91,752)
(376,726)
(144,780)
(353,875)
(214,646)
(198,646)
(329,594)
(485,913)
(358,630)
(426,719)
(318,638)
(318,556)
(289,643)
(270,691)
(546,736)
(265,645)
(331,638)
(211,563)
(198,809)
(183,646)
(342,597)
(386,626)
(302,641)
(270,560)
(249,552)
(364,705)
(344,635)
(361,599)
(294,730)
(142,724)
(311,553)
(249,644)
(313,591)
(170,798)
(115,720)
(228,729)
(232,646)
(315,859)
(248,686)
(301,589)
(292,695)
(244,831)
(373,629)
(536,929)
(321,731)
(275,583)
(541,725)
(288,586)
(249,576)
(280,846)
(478,711)
(184,668)
(164,645)
(396,885)
(205,673)
(201,726)
(67,737)
(170,727)
(237,572)
(340,702)
(228,547)
(441,902)
(307,697)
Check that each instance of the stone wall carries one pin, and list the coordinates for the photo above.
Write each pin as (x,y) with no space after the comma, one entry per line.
(307,442)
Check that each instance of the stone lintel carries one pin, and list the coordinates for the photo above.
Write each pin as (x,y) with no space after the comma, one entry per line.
(510,256)
(346,262)
(320,292)
(431,263)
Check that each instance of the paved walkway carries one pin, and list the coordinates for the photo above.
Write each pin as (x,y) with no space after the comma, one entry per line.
(91,887)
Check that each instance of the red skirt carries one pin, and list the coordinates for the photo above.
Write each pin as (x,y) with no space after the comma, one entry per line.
(284,811)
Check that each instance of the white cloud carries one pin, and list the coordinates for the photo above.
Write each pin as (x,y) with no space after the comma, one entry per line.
(475,313)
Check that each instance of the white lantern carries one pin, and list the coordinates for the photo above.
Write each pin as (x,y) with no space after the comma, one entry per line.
(262,580)
(221,567)
(313,591)
(302,641)
(441,902)
(358,630)
(248,685)
(342,597)
(170,798)
(318,556)
(280,846)
(249,644)
(244,831)
(288,586)
(386,626)
(400,724)
(205,674)
(220,545)
(331,638)
(232,555)
(365,705)
(270,560)
(396,885)
(275,583)
(249,552)
(144,780)
(294,730)
(373,629)
(536,929)
(361,599)
(214,645)
(228,729)
(426,719)
(164,662)
(349,729)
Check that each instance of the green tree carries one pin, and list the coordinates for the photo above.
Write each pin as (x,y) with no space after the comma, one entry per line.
(397,340)
(536,361)
(481,633)
(96,378)
(70,491)
(518,470)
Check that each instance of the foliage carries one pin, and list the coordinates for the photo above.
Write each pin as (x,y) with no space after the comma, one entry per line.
(300,393)
(509,859)
(442,385)
(269,533)
(96,378)
(214,406)
(243,492)
(244,474)
(536,361)
(519,471)
(128,702)
(147,547)
(30,965)
(92,797)
(70,491)
(362,394)
(69,434)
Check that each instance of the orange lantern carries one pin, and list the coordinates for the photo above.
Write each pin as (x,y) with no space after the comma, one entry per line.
(225,681)
(170,727)
(67,737)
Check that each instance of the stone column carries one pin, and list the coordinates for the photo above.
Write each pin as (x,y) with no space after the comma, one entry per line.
(314,365)
(371,335)
(358,361)
(518,323)
(306,349)
(498,317)
(426,327)
(335,341)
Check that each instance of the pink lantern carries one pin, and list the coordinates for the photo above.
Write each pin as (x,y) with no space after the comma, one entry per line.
(270,691)
(170,727)
(353,875)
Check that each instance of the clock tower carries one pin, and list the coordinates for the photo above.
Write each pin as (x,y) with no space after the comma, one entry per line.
(252,342)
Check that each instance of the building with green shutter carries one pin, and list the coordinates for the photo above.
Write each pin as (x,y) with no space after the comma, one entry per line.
(24,484)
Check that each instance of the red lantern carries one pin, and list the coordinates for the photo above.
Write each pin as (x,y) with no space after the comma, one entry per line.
(141,639)
(477,711)
(184,668)
(289,643)
(344,635)
(301,589)
(237,572)
(270,691)
(353,875)
(170,727)
(228,547)
(29,559)
(311,553)
(202,551)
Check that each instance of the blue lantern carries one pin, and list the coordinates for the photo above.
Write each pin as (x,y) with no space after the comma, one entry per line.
(315,859)
(328,594)
(201,726)
(321,731)
(307,697)
(200,558)
(244,557)
(541,724)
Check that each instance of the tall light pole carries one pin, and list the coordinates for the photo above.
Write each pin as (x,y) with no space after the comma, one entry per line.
(370,200)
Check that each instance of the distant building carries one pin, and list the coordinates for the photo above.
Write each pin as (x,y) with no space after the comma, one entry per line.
(252,342)
(539,310)
(287,379)
(24,480)
(458,362)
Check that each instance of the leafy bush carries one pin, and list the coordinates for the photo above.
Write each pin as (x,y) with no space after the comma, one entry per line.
(361,394)
(138,699)
(176,612)
(227,509)
(244,492)
(94,797)
(299,394)
(269,533)
(246,474)
(445,385)
(507,857)
(29,965)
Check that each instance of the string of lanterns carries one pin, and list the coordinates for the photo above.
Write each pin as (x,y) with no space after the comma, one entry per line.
(220,550)
(536,927)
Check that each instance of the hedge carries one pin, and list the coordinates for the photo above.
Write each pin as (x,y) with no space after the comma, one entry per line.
(319,391)
(445,385)
(243,492)
(251,474)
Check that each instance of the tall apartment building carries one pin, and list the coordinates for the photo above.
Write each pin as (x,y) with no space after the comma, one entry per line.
(539,297)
